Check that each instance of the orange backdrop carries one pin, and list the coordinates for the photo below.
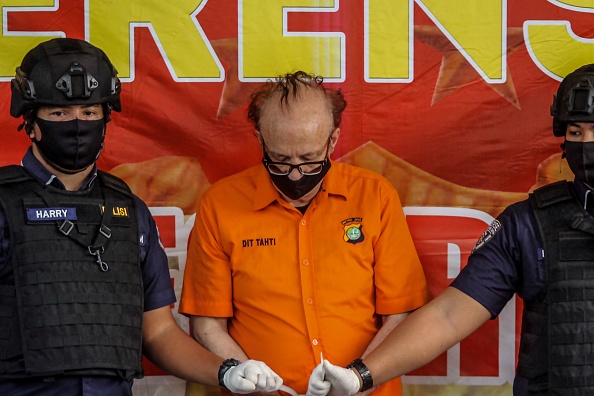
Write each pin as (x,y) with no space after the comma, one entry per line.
(449,100)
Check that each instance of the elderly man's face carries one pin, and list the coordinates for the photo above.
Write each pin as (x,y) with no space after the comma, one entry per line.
(301,132)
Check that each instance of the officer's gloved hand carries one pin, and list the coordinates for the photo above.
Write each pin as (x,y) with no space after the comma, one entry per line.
(251,376)
(328,379)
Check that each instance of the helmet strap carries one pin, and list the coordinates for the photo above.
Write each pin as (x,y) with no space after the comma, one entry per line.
(107,107)
(27,125)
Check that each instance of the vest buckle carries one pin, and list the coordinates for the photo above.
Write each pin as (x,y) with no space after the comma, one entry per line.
(66,227)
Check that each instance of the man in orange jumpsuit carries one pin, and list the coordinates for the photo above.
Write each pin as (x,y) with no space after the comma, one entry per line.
(300,256)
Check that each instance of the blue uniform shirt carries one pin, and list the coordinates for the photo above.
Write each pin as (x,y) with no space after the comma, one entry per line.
(158,292)
(508,259)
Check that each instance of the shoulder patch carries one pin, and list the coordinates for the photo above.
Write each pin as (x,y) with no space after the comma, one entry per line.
(487,235)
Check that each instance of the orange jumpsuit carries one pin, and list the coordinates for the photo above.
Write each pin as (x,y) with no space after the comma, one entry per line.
(296,285)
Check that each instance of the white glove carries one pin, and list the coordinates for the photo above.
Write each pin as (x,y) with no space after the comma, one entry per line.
(251,376)
(344,382)
(317,386)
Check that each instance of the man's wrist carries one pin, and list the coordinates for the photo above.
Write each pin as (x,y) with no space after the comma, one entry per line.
(364,374)
(225,366)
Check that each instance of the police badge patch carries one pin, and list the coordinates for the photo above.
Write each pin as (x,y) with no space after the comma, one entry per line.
(353,230)
(487,235)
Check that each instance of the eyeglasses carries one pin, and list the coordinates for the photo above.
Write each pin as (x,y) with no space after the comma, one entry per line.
(284,168)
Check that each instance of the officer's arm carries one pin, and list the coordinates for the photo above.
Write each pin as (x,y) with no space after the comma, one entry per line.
(212,333)
(172,350)
(425,334)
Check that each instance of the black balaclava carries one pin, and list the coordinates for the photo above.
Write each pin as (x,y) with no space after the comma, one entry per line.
(580,158)
(70,146)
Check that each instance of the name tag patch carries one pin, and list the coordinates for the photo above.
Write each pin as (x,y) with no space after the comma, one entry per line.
(45,214)
(117,211)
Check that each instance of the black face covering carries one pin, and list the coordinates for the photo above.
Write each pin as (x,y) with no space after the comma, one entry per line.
(580,158)
(295,189)
(70,146)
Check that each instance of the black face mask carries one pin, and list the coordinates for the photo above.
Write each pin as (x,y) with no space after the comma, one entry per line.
(70,146)
(295,189)
(580,158)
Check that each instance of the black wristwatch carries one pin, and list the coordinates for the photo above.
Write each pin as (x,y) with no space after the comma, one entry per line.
(225,366)
(366,379)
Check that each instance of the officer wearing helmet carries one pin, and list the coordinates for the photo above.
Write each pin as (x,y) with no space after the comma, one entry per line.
(84,282)
(543,250)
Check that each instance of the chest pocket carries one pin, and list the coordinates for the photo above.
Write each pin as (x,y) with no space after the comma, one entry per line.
(576,246)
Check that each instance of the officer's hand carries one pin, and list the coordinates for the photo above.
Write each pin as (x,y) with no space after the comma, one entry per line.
(251,376)
(343,381)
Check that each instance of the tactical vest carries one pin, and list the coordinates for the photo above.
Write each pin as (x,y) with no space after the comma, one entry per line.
(557,342)
(71,296)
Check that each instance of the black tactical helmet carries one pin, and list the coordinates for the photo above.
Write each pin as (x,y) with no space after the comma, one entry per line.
(574,100)
(64,72)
